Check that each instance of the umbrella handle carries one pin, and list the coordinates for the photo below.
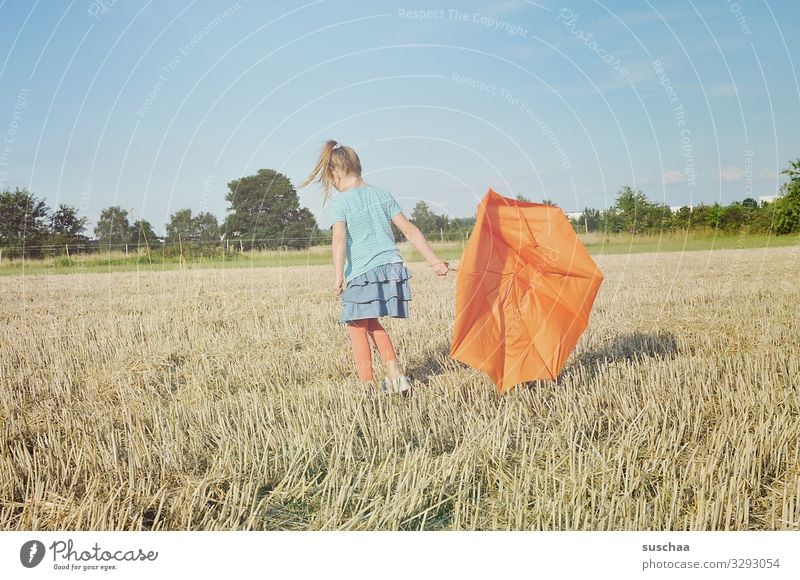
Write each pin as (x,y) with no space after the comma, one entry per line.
(449,267)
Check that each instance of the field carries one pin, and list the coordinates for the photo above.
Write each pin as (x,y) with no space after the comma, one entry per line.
(226,399)
(140,261)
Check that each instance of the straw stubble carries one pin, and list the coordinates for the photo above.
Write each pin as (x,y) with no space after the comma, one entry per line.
(227,399)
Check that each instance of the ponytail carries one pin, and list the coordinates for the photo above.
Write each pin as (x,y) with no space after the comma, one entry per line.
(333,155)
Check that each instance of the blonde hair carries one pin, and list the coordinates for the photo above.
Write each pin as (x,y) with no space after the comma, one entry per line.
(333,156)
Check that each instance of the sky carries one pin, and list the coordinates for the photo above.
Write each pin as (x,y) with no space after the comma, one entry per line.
(157,106)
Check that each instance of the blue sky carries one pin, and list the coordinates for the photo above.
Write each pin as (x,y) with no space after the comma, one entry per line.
(156,106)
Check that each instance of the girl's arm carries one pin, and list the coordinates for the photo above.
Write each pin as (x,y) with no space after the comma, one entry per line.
(338,245)
(417,239)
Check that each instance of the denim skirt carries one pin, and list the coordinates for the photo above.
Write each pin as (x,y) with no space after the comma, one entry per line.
(382,291)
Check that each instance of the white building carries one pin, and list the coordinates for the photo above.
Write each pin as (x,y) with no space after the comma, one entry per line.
(762,199)
(677,208)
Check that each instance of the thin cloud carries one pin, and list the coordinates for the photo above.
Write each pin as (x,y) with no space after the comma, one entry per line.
(673,176)
(732,174)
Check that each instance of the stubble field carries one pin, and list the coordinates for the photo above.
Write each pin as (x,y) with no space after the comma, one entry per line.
(227,399)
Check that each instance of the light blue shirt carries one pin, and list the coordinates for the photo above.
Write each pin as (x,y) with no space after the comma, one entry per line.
(367,211)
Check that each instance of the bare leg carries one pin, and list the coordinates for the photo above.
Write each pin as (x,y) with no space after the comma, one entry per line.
(385,348)
(362,354)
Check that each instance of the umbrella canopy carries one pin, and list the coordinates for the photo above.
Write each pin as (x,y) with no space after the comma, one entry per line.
(524,290)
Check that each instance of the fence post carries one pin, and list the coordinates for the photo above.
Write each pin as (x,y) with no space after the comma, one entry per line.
(66,246)
(126,249)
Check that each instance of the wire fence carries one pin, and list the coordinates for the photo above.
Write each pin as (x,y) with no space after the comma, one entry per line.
(167,248)
(187,248)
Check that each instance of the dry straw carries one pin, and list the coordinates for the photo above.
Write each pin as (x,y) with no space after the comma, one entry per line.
(226,399)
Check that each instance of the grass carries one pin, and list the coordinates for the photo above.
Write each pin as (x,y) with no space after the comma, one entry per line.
(224,399)
(596,244)
(120,262)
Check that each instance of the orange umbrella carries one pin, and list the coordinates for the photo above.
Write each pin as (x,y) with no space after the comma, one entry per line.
(524,289)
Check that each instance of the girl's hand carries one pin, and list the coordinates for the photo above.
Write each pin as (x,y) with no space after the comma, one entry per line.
(440,268)
(338,282)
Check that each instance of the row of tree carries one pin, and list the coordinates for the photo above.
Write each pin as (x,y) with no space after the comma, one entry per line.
(444,227)
(264,212)
(635,214)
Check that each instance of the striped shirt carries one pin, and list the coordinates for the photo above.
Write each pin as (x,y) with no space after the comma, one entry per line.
(367,212)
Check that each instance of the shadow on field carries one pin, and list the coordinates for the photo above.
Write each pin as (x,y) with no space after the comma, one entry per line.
(630,347)
(437,361)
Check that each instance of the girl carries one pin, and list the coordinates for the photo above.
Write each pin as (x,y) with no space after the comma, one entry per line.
(366,259)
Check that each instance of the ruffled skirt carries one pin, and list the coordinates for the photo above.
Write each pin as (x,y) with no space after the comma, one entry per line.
(382,291)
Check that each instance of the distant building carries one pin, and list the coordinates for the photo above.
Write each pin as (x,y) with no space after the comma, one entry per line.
(573,215)
(762,199)
(677,208)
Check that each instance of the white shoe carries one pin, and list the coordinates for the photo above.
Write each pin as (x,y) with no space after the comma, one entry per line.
(401,385)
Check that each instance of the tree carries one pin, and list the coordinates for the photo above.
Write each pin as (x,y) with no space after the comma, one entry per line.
(66,226)
(265,210)
(206,228)
(612,221)
(549,202)
(424,218)
(659,217)
(458,229)
(180,228)
(787,206)
(464,223)
(706,216)
(793,171)
(682,219)
(142,235)
(113,228)
(732,217)
(749,202)
(589,220)
(23,223)
(787,211)
(186,233)
(633,208)
(759,220)
(520,197)
(299,229)
(442,222)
